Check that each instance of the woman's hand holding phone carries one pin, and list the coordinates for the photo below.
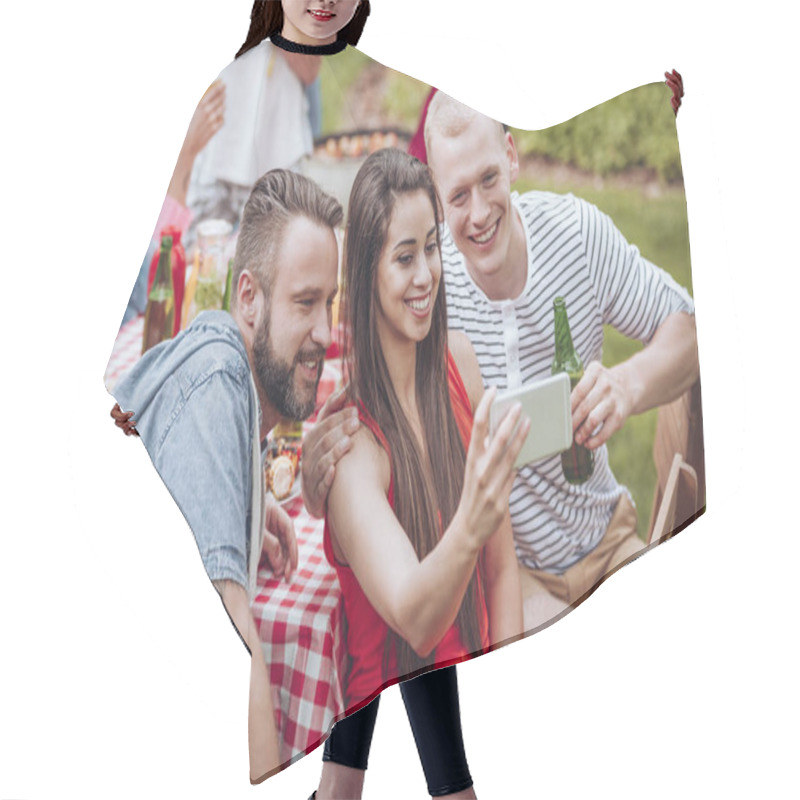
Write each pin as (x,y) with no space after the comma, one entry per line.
(490,472)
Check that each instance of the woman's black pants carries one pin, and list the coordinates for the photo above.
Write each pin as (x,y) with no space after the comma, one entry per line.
(431,702)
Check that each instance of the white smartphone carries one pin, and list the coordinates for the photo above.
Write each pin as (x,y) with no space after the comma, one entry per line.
(546,404)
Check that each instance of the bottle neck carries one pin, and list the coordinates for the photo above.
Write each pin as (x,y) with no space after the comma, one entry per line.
(564,346)
(174,232)
(163,276)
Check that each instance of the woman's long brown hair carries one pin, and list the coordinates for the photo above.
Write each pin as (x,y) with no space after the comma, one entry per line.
(266,19)
(421,492)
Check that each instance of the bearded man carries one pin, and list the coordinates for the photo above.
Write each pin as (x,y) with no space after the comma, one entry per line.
(203,402)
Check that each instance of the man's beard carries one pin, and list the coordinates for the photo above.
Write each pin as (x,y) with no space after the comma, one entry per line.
(276,377)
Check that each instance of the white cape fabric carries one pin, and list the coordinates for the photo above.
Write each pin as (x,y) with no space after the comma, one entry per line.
(651,471)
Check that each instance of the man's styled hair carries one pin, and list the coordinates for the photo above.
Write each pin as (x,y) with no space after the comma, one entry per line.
(276,198)
(450,118)
(266,19)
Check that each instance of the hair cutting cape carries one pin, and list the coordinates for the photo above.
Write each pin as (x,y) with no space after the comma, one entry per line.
(601,201)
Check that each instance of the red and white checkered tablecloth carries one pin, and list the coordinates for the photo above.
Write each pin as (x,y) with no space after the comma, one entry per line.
(126,352)
(299,626)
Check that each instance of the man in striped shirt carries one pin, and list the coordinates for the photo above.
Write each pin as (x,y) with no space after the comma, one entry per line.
(506,257)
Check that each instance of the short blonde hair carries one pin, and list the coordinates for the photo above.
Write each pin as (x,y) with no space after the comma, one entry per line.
(448,117)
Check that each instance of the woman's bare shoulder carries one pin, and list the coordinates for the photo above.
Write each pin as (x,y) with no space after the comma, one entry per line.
(366,463)
(358,495)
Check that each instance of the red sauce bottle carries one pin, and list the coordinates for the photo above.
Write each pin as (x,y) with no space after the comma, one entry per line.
(178,270)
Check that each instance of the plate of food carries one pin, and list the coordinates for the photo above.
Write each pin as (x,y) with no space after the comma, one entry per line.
(282,469)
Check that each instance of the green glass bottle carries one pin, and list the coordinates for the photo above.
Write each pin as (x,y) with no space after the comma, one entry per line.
(159,317)
(226,298)
(577,462)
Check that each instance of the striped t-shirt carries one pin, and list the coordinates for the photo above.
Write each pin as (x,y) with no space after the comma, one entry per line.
(574,251)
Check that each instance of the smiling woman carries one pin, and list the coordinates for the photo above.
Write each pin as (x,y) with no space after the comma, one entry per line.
(271,17)
(316,21)
(409,272)
(419,502)
(421,484)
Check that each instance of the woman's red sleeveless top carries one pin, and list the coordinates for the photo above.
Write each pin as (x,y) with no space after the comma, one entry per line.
(366,630)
